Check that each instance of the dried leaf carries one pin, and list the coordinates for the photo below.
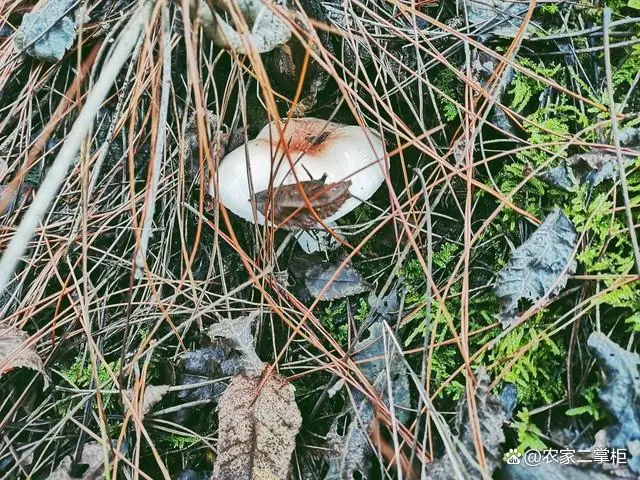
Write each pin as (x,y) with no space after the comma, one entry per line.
(498,17)
(325,199)
(539,267)
(92,456)
(49,32)
(258,428)
(267,31)
(348,454)
(212,363)
(347,282)
(592,168)
(491,417)
(620,395)
(15,352)
(152,395)
(238,332)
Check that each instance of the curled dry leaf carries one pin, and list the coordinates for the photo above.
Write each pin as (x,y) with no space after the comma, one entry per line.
(48,32)
(539,267)
(92,456)
(288,202)
(152,395)
(258,427)
(15,352)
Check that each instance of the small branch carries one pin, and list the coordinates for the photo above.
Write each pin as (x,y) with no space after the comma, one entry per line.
(156,167)
(606,21)
(58,171)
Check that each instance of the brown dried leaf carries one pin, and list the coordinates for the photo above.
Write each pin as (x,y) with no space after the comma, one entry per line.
(325,198)
(15,352)
(258,428)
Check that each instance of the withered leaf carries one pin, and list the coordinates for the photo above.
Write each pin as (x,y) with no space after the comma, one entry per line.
(348,454)
(238,333)
(48,32)
(539,267)
(620,394)
(258,425)
(346,283)
(325,198)
(491,418)
(15,352)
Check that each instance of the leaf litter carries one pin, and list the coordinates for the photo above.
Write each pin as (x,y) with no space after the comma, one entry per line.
(288,203)
(257,413)
(492,416)
(539,267)
(16,352)
(47,33)
(349,453)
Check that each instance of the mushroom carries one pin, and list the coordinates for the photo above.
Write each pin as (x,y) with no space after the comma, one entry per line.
(319,151)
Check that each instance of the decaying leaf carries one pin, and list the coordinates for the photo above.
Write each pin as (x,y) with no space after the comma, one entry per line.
(621,395)
(349,454)
(16,352)
(266,30)
(258,427)
(325,198)
(238,332)
(539,267)
(93,457)
(212,363)
(491,417)
(591,168)
(152,395)
(46,34)
(347,282)
(498,17)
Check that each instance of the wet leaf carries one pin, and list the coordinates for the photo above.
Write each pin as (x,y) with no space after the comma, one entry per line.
(539,267)
(92,456)
(47,33)
(17,351)
(620,394)
(258,427)
(346,283)
(325,199)
(349,454)
(238,333)
(491,417)
(152,395)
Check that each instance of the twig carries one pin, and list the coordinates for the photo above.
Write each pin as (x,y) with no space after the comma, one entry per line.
(156,167)
(606,20)
(58,171)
